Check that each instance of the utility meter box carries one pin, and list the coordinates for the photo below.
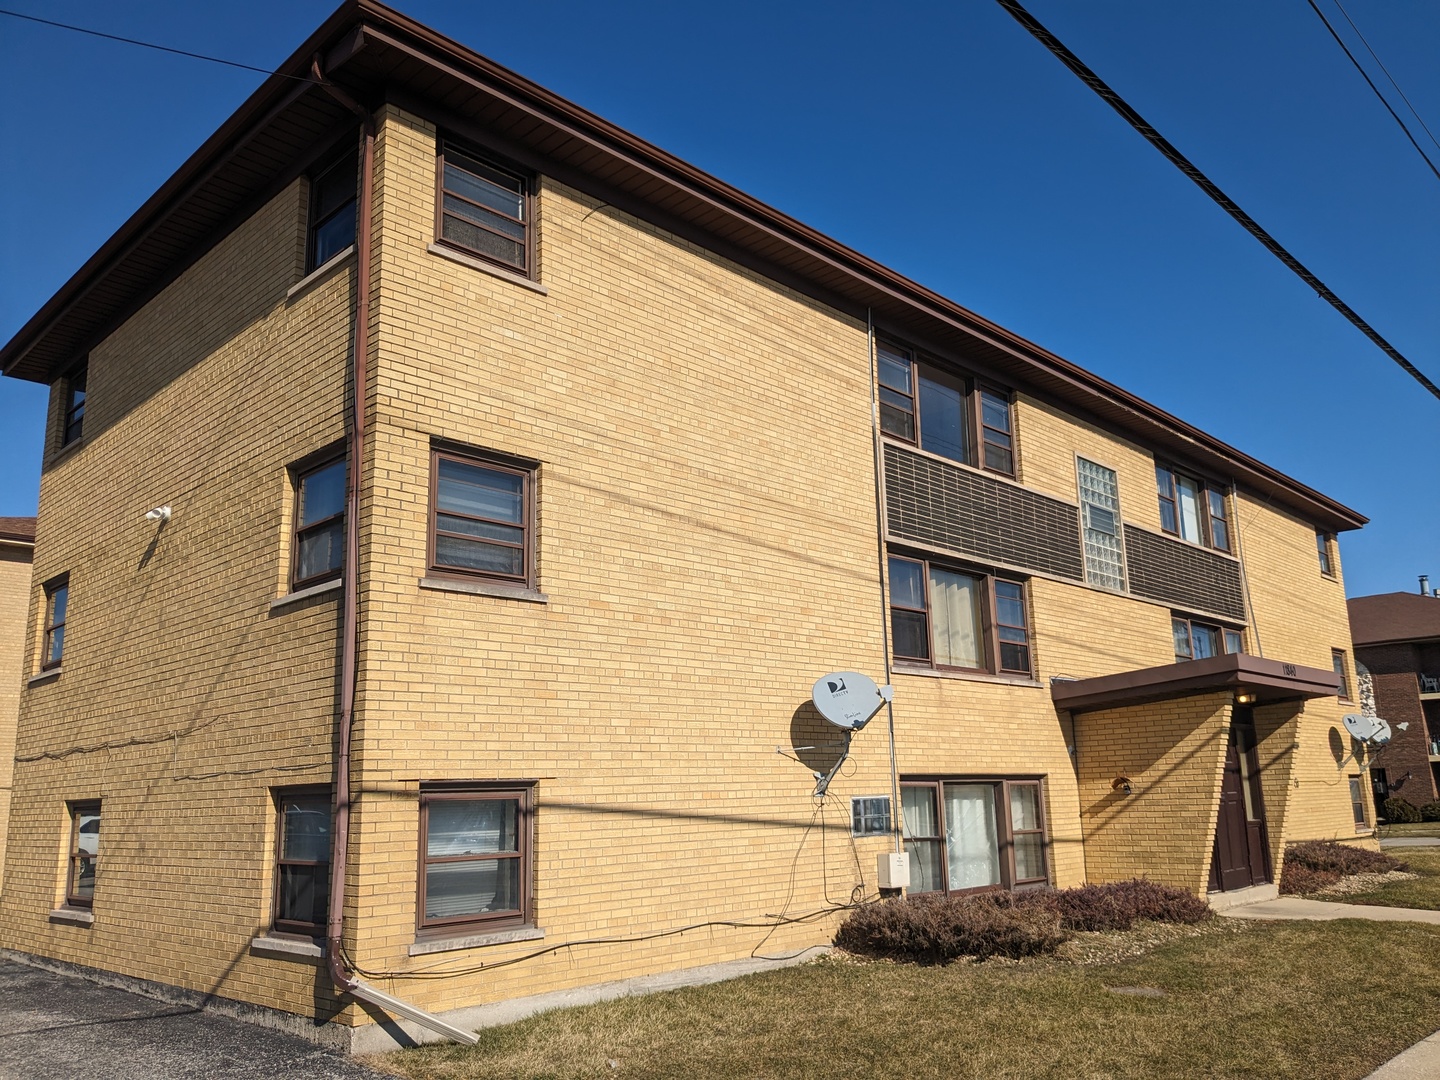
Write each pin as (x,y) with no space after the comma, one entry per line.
(893,870)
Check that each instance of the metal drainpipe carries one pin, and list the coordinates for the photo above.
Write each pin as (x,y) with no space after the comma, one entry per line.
(345,980)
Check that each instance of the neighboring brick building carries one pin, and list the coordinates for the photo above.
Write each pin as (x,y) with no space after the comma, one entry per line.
(1397,651)
(639,460)
(17,543)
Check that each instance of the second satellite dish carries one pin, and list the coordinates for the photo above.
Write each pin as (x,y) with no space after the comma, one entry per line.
(1368,729)
(849,699)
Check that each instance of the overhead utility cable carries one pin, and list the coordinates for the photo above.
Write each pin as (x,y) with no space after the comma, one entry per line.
(1383,68)
(1135,120)
(1375,89)
(149,45)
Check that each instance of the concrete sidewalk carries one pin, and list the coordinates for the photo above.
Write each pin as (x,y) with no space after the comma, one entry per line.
(1421,1061)
(1411,841)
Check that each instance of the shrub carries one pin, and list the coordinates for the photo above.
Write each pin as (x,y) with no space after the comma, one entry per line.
(1317,864)
(1118,905)
(932,929)
(1430,811)
(1297,879)
(1400,811)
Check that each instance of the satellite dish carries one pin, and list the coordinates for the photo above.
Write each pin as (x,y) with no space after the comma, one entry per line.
(1368,729)
(848,699)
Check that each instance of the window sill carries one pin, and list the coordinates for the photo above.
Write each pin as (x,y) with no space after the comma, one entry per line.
(425,947)
(488,268)
(321,272)
(485,588)
(45,676)
(75,916)
(266,945)
(963,676)
(306,593)
(65,451)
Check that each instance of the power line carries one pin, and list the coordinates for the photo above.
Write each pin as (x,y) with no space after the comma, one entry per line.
(149,45)
(1375,89)
(1136,121)
(1383,68)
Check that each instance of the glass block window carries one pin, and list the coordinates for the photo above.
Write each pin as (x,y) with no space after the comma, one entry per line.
(870,815)
(1100,526)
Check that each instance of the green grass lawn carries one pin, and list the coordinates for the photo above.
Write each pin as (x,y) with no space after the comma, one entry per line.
(1421,828)
(1421,893)
(1235,999)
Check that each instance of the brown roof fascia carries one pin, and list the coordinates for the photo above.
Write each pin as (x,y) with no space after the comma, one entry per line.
(871,281)
(1269,680)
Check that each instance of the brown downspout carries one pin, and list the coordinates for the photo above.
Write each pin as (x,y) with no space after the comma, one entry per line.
(344,979)
(350,632)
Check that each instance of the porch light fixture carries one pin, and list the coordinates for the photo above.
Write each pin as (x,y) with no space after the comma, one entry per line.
(1123,784)
(1245,697)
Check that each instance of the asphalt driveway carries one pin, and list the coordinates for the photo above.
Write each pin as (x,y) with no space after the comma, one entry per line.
(59,1026)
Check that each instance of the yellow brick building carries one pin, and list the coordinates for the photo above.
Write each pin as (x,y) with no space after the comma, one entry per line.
(17,543)
(498,687)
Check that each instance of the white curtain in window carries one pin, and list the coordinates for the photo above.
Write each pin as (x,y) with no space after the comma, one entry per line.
(1189,493)
(955,621)
(971,842)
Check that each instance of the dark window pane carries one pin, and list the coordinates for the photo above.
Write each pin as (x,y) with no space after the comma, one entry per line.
(1181,630)
(476,215)
(488,187)
(1219,534)
(321,551)
(59,601)
(994,411)
(1014,657)
(84,887)
(306,834)
(479,492)
(1010,607)
(910,633)
(334,236)
(335,188)
(1168,521)
(942,419)
(486,243)
(304,894)
(999,459)
(907,583)
(1204,641)
(895,372)
(322,493)
(57,645)
(895,422)
(480,887)
(481,530)
(895,398)
(1232,641)
(476,555)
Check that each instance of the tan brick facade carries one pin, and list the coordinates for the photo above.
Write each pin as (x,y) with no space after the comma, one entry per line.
(14,600)
(706,548)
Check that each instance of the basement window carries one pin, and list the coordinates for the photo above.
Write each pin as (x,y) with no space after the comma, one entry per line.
(971,835)
(474,857)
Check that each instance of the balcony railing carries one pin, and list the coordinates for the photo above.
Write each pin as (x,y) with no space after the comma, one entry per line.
(1430,684)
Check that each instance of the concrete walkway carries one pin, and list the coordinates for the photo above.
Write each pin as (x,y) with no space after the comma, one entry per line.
(1421,1061)
(1411,841)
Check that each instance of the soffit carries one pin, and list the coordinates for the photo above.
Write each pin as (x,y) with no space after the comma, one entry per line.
(374,52)
(1268,680)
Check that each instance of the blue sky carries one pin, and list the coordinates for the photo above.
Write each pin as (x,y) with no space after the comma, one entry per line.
(939,138)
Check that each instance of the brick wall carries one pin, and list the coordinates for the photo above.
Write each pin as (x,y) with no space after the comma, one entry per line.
(14,597)
(1406,759)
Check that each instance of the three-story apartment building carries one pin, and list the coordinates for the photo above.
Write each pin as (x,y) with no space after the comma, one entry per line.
(450,500)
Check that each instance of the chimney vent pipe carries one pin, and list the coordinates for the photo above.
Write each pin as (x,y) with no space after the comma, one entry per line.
(1424,584)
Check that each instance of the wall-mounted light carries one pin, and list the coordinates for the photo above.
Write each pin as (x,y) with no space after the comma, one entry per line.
(160,513)
(1123,785)
(1245,697)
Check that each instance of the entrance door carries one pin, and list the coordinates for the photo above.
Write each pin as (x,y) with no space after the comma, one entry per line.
(1241,856)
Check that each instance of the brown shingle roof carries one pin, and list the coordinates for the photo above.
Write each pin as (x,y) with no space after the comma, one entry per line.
(1395,616)
(17,528)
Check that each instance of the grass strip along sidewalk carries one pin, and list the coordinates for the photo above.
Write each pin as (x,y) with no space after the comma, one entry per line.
(1422,892)
(1328,1000)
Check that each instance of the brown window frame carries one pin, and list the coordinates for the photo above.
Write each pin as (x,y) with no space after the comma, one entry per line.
(1322,547)
(524,177)
(76,809)
(990,625)
(528,472)
(1005,830)
(1340,663)
(314,222)
(1206,490)
(1358,809)
(523,792)
(972,392)
(281,795)
(49,657)
(300,472)
(1225,634)
(72,416)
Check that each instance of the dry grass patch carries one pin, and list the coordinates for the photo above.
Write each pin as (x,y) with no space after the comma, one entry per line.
(1261,1000)
(1420,888)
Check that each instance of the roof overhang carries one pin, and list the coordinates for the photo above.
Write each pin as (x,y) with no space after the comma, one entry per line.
(376,54)
(1268,680)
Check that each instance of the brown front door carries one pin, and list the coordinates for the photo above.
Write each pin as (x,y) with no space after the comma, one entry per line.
(1241,855)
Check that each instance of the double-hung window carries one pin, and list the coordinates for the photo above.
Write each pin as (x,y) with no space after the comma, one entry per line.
(57,604)
(1322,548)
(943,413)
(1341,665)
(484,209)
(474,856)
(481,520)
(952,619)
(84,854)
(319,544)
(1192,510)
(72,423)
(332,211)
(964,835)
(302,870)
(1195,640)
(1100,525)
